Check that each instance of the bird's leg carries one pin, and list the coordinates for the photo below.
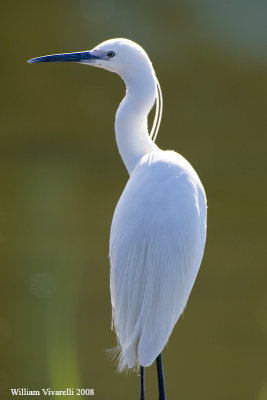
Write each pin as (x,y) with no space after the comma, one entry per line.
(160,378)
(142,374)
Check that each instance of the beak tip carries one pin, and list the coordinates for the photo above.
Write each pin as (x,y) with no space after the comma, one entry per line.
(32,61)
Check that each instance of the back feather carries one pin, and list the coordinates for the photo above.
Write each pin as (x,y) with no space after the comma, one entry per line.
(156,246)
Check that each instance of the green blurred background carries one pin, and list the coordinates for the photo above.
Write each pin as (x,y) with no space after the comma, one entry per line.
(61,177)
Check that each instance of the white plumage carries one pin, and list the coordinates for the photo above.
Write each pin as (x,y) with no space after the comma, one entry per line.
(159,226)
(156,246)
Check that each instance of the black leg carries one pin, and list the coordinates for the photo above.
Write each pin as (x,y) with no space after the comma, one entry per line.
(142,374)
(160,378)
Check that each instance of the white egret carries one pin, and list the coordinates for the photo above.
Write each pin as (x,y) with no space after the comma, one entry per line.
(158,230)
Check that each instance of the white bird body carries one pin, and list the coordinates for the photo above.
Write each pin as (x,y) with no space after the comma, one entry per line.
(158,230)
(156,246)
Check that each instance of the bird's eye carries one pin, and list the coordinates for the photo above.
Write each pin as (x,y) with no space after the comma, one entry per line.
(110,54)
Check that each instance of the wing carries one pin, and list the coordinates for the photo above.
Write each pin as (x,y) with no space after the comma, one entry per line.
(156,246)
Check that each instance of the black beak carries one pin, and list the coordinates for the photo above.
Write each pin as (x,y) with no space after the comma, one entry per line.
(82,56)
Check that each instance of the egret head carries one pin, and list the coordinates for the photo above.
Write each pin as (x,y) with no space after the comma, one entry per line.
(116,55)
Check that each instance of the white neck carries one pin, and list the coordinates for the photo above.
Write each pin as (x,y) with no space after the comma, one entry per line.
(131,118)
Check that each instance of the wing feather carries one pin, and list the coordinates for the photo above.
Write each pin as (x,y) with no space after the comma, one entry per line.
(156,246)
